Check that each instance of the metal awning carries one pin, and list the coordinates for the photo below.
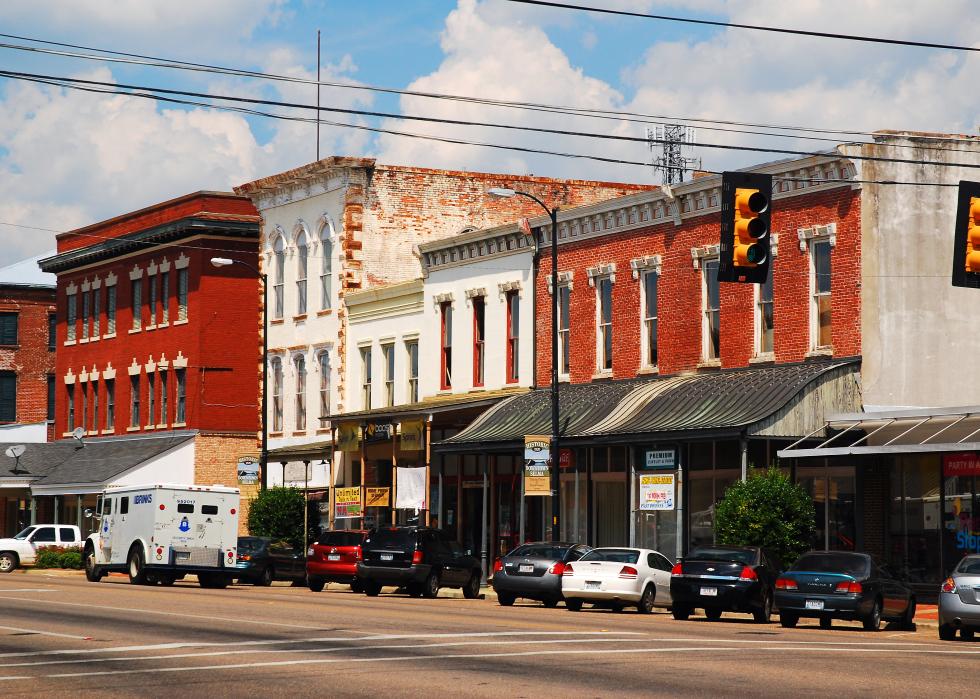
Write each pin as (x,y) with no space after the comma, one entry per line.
(429,406)
(892,432)
(758,401)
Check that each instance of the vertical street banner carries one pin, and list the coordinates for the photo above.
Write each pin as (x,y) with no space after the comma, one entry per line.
(657,491)
(349,437)
(412,432)
(410,494)
(537,474)
(347,503)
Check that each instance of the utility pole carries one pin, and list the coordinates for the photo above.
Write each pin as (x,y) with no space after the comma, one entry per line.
(317,94)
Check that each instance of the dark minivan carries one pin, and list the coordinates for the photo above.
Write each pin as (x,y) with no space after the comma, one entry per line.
(420,559)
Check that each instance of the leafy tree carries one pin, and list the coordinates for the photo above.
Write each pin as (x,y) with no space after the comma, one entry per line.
(768,510)
(278,514)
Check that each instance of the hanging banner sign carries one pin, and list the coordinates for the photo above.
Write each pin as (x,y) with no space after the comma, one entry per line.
(537,474)
(349,437)
(376,497)
(657,492)
(965,463)
(412,435)
(248,470)
(379,432)
(661,458)
(347,503)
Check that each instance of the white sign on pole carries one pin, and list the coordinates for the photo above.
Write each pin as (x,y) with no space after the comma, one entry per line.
(657,491)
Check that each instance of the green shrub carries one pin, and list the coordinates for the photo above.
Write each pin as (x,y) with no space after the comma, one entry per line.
(278,514)
(767,510)
(71,559)
(48,558)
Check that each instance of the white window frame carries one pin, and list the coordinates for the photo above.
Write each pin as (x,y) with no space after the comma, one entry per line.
(599,325)
(816,240)
(326,267)
(564,333)
(367,376)
(323,365)
(758,350)
(279,277)
(709,264)
(302,272)
(301,375)
(277,384)
(644,320)
(388,359)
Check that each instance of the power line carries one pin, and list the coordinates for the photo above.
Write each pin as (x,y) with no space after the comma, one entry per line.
(69,82)
(756,27)
(615,115)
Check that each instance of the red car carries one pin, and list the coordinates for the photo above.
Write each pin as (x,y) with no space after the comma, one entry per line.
(334,558)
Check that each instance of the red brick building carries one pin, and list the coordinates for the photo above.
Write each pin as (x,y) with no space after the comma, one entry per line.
(152,339)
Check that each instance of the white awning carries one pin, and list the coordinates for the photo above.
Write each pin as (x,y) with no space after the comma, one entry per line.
(892,432)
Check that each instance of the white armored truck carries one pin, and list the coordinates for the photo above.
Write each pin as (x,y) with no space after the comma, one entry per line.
(160,533)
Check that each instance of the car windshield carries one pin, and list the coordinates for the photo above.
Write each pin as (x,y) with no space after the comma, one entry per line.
(743,556)
(969,566)
(552,553)
(846,563)
(250,544)
(402,538)
(612,555)
(340,539)
(25,533)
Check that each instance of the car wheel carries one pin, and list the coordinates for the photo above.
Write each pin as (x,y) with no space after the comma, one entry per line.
(762,614)
(680,613)
(788,620)
(472,588)
(414,590)
(268,575)
(8,562)
(372,588)
(645,605)
(872,622)
(713,614)
(430,588)
(947,632)
(617,608)
(573,605)
(357,585)
(92,572)
(966,634)
(137,568)
(315,584)
(505,599)
(908,620)
(552,602)
(826,622)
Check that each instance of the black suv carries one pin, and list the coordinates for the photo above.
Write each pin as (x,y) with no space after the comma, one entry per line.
(420,559)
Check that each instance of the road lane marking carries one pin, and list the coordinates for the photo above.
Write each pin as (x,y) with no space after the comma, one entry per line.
(28,589)
(45,633)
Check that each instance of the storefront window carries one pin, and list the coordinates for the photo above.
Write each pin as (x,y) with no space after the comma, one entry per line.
(914,520)
(833,491)
(961,519)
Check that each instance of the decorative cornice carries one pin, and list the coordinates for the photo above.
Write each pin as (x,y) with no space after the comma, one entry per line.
(826,232)
(644,264)
(602,270)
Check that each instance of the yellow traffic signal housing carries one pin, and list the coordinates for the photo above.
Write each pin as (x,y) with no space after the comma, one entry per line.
(745,223)
(966,239)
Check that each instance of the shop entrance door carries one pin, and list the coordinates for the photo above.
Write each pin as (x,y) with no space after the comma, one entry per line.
(610,513)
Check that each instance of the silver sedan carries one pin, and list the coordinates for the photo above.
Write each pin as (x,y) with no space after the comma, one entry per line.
(959,601)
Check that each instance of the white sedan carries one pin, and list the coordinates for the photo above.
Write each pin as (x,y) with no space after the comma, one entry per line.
(617,578)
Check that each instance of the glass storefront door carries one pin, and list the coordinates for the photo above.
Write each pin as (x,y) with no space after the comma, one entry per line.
(833,491)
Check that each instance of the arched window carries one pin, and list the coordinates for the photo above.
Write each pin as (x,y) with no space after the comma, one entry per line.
(300,364)
(302,263)
(324,361)
(276,394)
(279,248)
(326,266)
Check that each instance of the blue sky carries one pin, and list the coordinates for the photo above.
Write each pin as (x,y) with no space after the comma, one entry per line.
(69,158)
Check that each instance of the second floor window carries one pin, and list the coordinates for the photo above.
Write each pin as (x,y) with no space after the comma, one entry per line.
(183,281)
(564,328)
(302,267)
(479,338)
(277,395)
(151,386)
(513,336)
(164,415)
(71,317)
(51,386)
(324,361)
(279,254)
(110,404)
(446,345)
(711,306)
(70,393)
(8,396)
(52,331)
(365,378)
(300,366)
(604,324)
(137,303)
(86,312)
(134,400)
(764,319)
(388,357)
(820,307)
(165,297)
(96,313)
(413,371)
(110,310)
(326,266)
(152,302)
(8,329)
(84,406)
(181,416)
(650,283)
(95,406)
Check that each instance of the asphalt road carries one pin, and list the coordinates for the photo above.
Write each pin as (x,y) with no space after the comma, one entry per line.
(60,635)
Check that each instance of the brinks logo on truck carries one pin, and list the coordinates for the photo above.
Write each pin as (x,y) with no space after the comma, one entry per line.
(184,525)
(143,499)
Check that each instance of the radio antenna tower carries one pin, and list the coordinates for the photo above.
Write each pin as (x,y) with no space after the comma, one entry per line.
(674,139)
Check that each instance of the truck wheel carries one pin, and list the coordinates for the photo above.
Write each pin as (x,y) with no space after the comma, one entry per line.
(92,572)
(8,562)
(137,567)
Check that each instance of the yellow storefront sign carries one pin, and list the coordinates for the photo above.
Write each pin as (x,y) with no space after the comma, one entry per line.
(376,497)
(412,435)
(349,437)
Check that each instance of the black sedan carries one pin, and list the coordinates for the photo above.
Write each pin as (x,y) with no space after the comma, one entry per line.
(534,571)
(829,585)
(260,561)
(724,579)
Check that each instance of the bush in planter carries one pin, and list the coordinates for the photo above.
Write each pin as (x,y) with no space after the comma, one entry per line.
(58,557)
(767,510)
(72,558)
(278,514)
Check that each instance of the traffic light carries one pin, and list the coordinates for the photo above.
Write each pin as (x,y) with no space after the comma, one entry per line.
(745,226)
(966,241)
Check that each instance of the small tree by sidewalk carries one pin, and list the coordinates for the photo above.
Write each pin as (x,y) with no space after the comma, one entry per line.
(767,510)
(277,513)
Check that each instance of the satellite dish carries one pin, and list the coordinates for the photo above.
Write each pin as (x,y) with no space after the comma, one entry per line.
(15,451)
(78,433)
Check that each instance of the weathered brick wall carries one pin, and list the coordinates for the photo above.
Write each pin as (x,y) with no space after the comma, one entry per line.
(30,358)
(216,462)
(680,292)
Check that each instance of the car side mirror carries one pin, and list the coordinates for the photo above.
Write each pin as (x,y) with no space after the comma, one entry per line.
(90,514)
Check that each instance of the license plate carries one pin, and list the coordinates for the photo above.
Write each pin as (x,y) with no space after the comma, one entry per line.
(387,556)
(593,585)
(814,604)
(335,557)
(525,569)
(709,591)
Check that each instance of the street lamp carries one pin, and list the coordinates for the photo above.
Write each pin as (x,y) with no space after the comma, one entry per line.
(264,453)
(504,193)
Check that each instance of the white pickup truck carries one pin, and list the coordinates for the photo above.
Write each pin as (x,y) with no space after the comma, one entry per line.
(21,550)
